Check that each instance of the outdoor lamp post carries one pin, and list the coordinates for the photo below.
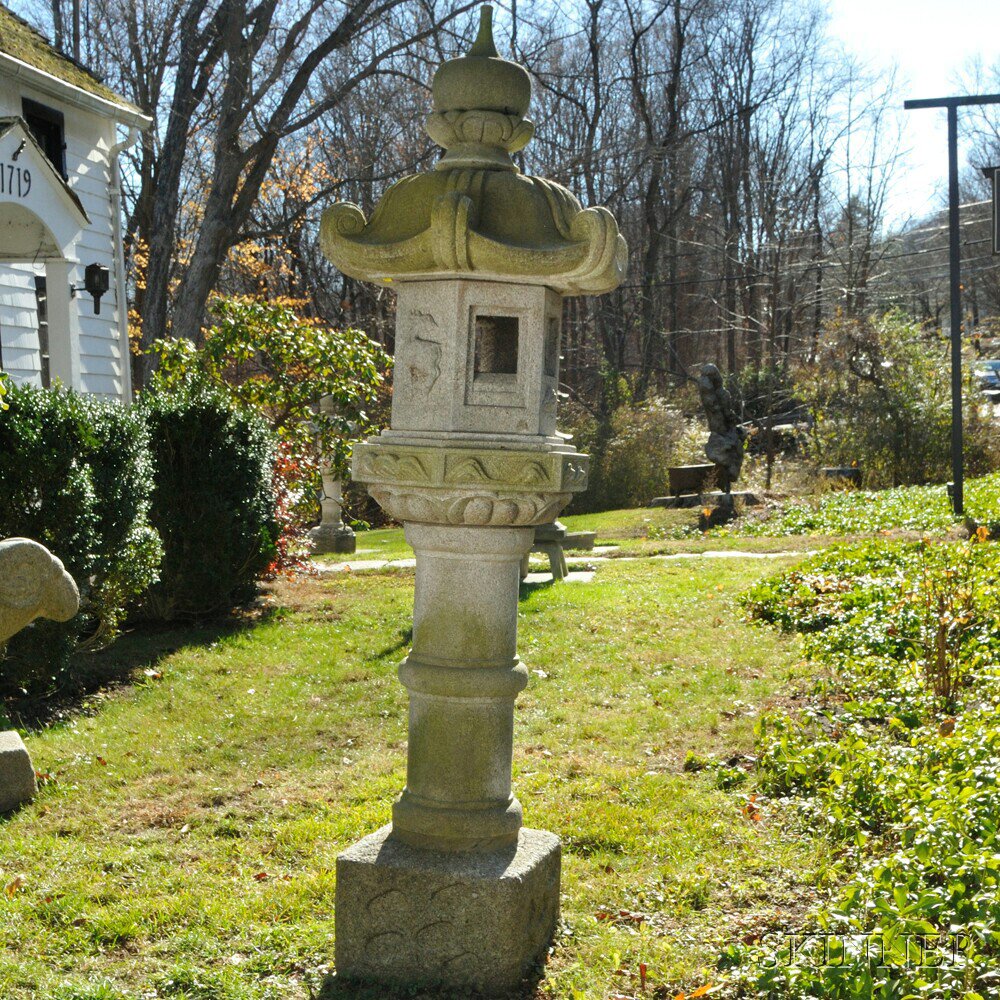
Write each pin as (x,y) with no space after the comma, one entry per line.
(456,892)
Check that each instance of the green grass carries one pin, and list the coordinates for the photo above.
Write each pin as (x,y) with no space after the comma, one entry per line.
(644,531)
(184,846)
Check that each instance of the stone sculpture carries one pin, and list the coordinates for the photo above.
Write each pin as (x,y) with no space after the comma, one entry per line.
(33,584)
(331,534)
(456,893)
(726,436)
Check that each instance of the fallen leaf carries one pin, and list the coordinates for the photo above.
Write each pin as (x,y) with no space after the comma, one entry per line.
(18,883)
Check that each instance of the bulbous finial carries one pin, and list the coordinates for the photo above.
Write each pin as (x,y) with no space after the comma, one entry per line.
(484,44)
(482,81)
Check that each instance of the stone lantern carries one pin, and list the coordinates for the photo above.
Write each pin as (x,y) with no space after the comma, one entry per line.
(456,892)
(331,534)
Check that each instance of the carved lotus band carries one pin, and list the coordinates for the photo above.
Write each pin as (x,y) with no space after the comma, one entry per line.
(376,461)
(468,507)
(469,486)
(449,129)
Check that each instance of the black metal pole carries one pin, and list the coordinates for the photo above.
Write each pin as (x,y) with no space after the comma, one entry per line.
(955,262)
(955,268)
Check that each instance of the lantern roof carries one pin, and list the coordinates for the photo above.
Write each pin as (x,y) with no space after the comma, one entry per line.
(476,215)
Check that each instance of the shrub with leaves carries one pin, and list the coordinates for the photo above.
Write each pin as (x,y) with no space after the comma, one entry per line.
(269,360)
(75,475)
(879,395)
(213,501)
(630,456)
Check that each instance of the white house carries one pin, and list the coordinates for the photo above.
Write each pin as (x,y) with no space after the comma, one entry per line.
(61,133)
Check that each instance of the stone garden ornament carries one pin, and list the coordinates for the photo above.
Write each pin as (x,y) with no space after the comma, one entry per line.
(331,534)
(726,436)
(33,584)
(456,892)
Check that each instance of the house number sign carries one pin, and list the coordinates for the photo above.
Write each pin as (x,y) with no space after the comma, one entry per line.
(15,181)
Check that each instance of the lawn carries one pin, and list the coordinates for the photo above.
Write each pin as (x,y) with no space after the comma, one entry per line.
(183,844)
(643,531)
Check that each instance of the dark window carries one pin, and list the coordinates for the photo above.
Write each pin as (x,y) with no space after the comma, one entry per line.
(49,129)
(496,345)
(42,307)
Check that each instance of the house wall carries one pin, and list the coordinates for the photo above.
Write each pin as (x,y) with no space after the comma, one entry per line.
(89,140)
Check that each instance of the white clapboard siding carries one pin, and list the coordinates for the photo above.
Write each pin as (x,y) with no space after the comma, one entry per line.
(19,324)
(89,139)
(88,164)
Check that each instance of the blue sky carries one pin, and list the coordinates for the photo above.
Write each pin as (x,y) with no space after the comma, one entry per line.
(930,41)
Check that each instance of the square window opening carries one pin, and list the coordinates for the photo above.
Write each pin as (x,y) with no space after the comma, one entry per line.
(496,345)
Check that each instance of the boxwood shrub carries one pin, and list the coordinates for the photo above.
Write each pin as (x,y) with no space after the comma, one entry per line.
(213,501)
(75,475)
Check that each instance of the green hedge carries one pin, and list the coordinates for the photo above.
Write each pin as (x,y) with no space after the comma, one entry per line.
(75,475)
(213,502)
(163,509)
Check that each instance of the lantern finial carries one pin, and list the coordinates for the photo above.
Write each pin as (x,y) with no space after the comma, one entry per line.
(484,44)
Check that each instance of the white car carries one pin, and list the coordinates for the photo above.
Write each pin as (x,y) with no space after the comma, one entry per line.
(987,373)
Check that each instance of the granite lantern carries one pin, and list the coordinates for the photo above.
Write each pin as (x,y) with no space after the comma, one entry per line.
(455,892)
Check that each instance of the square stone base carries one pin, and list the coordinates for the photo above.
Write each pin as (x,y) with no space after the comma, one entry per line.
(17,776)
(476,921)
(329,538)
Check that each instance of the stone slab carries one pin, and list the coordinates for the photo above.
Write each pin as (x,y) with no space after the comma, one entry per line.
(736,554)
(359,565)
(579,540)
(702,500)
(459,921)
(17,775)
(573,576)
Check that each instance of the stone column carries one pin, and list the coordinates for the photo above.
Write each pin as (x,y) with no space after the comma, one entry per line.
(331,534)
(463,675)
(456,892)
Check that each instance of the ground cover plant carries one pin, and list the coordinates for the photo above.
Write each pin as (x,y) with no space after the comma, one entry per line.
(860,512)
(184,841)
(896,761)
